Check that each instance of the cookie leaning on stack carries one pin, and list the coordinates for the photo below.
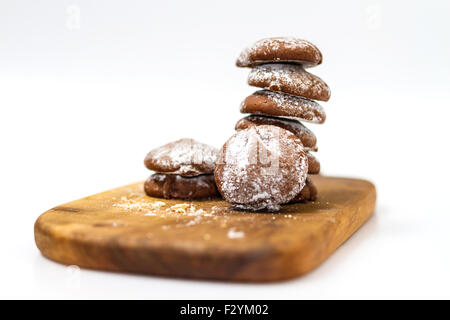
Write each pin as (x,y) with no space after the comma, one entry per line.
(278,68)
(184,170)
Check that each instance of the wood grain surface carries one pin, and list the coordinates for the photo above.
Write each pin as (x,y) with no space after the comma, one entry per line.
(124,230)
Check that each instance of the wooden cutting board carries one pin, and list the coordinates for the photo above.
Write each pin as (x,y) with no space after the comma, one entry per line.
(125,230)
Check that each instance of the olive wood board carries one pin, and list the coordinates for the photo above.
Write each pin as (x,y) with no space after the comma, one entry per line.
(125,230)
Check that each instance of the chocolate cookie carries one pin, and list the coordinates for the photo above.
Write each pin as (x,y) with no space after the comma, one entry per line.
(291,79)
(261,167)
(265,102)
(280,49)
(186,157)
(296,127)
(308,193)
(313,164)
(172,186)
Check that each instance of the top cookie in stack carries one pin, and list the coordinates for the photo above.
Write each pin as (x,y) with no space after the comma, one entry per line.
(288,90)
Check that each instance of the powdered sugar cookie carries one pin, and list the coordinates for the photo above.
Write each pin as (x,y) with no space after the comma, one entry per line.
(280,49)
(185,157)
(296,127)
(261,167)
(308,193)
(265,102)
(172,186)
(291,79)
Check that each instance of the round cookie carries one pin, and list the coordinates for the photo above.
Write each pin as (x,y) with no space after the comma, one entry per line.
(261,167)
(308,193)
(185,157)
(291,79)
(313,164)
(172,186)
(296,127)
(265,102)
(280,49)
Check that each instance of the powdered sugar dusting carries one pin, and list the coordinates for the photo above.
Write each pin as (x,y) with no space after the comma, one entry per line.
(289,78)
(293,106)
(138,205)
(271,46)
(296,127)
(185,157)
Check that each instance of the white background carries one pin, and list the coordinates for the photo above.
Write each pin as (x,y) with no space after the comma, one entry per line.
(84,97)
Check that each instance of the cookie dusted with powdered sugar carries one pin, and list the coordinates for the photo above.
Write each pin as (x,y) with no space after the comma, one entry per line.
(291,79)
(313,164)
(308,193)
(172,186)
(296,127)
(280,49)
(304,134)
(260,168)
(185,157)
(265,102)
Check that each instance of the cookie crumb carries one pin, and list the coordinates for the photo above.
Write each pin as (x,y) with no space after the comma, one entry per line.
(194,221)
(180,208)
(199,212)
(158,204)
(233,234)
(135,205)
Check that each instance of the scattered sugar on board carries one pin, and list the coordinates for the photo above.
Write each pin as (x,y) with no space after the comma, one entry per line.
(233,234)
(194,221)
(163,210)
(137,205)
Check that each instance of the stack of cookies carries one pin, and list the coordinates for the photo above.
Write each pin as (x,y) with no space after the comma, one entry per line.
(184,170)
(287,98)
